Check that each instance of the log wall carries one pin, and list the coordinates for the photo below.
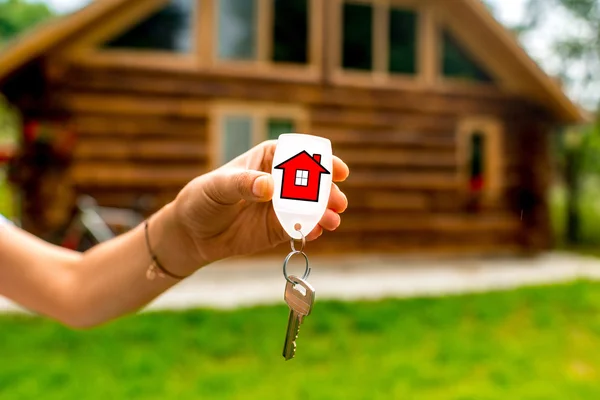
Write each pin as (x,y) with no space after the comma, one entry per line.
(147,132)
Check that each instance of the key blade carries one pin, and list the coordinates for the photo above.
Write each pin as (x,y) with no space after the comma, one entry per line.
(289,347)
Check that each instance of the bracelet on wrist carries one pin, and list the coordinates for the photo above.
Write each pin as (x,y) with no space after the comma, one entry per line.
(156,268)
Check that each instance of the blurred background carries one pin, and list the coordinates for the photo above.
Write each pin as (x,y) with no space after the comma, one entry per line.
(471,132)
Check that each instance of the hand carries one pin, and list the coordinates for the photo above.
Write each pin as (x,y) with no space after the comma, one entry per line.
(228,211)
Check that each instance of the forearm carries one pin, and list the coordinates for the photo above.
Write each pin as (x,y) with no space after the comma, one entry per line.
(103,283)
(110,279)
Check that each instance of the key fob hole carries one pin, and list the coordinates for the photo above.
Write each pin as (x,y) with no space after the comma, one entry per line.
(298,226)
(301,289)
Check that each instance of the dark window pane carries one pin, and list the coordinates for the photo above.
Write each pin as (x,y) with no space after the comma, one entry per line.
(458,63)
(402,41)
(237,136)
(237,29)
(277,127)
(290,31)
(170,29)
(357,36)
(477,156)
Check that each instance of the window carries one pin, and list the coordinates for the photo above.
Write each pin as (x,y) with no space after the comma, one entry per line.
(457,63)
(236,128)
(169,29)
(378,36)
(290,31)
(479,157)
(257,30)
(237,29)
(477,161)
(402,41)
(358,36)
(237,136)
(278,126)
(301,177)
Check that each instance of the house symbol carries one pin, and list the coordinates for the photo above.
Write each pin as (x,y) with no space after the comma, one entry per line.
(302,177)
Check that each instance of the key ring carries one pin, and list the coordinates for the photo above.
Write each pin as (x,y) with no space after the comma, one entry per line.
(293,246)
(287,259)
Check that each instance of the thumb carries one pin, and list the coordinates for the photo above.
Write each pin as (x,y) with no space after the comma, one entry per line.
(255,186)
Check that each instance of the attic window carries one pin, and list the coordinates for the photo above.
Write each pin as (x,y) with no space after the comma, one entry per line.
(170,29)
(358,36)
(378,36)
(252,30)
(457,63)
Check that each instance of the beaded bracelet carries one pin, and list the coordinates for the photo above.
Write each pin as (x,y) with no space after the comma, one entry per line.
(152,269)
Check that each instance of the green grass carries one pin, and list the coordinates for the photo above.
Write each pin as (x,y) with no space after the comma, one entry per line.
(534,343)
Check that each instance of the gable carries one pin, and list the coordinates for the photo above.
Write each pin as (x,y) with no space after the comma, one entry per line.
(170,28)
(457,62)
(429,42)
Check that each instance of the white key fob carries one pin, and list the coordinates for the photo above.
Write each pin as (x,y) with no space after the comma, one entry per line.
(302,171)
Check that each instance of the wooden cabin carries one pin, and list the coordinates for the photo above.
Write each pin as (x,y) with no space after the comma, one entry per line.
(443,119)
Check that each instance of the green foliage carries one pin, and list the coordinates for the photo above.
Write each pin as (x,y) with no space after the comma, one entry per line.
(17,16)
(485,346)
(588,209)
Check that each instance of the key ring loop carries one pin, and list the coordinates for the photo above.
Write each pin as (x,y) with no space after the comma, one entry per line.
(293,246)
(287,259)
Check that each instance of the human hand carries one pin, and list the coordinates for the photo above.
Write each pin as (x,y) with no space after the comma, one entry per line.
(227,212)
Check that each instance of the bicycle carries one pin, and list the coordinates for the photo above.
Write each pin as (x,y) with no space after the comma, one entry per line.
(93,224)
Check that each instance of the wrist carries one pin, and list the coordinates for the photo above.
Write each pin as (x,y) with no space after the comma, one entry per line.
(171,245)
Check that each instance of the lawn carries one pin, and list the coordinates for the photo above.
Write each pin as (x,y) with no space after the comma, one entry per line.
(533,343)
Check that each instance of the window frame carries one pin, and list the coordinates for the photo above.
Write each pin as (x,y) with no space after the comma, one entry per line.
(260,113)
(87,48)
(263,65)
(426,44)
(451,24)
(491,128)
(203,55)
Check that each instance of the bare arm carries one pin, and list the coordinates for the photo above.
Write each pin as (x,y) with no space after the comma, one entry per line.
(107,281)
(224,213)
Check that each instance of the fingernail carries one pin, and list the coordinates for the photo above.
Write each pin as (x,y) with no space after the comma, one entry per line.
(258,188)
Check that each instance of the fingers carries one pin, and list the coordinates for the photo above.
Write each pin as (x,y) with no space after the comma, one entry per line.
(228,187)
(340,170)
(330,220)
(318,231)
(338,201)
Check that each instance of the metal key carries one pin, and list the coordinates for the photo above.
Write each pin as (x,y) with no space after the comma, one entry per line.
(299,297)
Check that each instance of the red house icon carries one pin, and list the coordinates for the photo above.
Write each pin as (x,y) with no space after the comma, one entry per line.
(302,177)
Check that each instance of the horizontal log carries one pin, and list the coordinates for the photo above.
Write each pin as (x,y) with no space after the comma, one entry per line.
(401,180)
(376,138)
(417,242)
(402,222)
(136,126)
(418,122)
(387,200)
(164,150)
(205,85)
(132,105)
(94,174)
(396,158)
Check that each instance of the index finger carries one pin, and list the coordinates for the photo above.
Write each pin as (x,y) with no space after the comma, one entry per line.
(340,170)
